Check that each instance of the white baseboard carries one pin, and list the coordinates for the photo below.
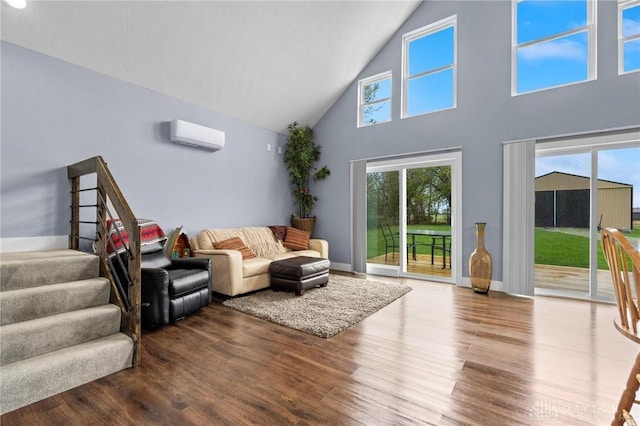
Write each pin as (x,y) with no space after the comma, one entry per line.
(34,243)
(466,281)
(495,285)
(344,267)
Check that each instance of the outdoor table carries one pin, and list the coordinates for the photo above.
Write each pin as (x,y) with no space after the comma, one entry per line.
(434,234)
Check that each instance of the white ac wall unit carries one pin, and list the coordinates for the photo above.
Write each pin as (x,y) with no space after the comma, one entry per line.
(195,135)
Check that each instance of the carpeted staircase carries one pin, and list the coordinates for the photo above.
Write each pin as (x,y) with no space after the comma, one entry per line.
(57,328)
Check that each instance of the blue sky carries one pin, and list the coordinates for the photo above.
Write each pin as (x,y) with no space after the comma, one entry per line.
(540,65)
(564,60)
(557,61)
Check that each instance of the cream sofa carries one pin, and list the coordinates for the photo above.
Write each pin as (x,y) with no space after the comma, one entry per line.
(233,275)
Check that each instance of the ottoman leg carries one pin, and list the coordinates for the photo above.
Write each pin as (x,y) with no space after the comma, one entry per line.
(299,292)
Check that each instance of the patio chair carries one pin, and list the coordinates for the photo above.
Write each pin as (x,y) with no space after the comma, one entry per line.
(391,241)
(624,263)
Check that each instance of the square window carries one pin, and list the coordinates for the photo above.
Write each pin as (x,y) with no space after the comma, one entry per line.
(429,68)
(431,92)
(629,36)
(553,63)
(632,55)
(374,99)
(553,44)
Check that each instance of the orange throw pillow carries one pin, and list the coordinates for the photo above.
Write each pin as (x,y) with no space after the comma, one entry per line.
(235,243)
(296,239)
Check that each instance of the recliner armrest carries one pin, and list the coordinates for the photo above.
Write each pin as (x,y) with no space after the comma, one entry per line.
(196,263)
(155,276)
(191,263)
(155,294)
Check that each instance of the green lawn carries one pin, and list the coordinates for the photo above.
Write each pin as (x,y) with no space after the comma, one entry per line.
(569,248)
(375,240)
(559,247)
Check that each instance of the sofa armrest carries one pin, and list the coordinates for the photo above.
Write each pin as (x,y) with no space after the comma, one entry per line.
(321,246)
(226,274)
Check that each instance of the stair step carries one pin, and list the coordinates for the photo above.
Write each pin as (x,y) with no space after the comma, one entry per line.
(37,302)
(20,270)
(27,339)
(25,382)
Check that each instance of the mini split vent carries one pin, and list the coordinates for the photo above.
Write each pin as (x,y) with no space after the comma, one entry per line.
(195,135)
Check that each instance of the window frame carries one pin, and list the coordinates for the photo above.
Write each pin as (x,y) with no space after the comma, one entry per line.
(362,83)
(590,27)
(622,5)
(451,21)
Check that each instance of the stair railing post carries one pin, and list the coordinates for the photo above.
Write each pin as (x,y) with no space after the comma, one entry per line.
(134,291)
(74,240)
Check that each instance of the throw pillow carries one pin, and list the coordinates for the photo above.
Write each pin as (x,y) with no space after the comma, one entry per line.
(296,239)
(279,231)
(235,243)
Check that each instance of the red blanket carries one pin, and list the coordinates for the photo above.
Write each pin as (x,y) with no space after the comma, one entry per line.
(118,238)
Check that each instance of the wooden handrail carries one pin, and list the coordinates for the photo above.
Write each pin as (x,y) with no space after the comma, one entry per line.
(107,189)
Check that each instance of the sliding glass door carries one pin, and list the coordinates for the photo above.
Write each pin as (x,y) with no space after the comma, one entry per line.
(383,219)
(578,191)
(411,217)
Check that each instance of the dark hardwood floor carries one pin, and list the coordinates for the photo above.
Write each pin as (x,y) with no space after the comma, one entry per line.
(439,355)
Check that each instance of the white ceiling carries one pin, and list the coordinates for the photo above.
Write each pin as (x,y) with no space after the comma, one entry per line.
(265,62)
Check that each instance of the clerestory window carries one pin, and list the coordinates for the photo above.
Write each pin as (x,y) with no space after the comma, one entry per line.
(374,99)
(628,36)
(429,68)
(553,43)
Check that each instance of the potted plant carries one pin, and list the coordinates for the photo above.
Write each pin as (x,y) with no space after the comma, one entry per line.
(300,155)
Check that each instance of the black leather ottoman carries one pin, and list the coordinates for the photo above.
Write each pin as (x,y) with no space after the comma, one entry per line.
(299,274)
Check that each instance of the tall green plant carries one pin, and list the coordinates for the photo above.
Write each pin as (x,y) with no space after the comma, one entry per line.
(300,155)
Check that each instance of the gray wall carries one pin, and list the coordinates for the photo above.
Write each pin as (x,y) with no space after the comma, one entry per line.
(55,114)
(486,116)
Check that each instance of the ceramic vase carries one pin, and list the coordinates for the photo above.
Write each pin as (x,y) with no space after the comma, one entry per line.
(480,263)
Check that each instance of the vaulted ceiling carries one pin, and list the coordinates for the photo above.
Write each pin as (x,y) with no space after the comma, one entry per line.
(265,62)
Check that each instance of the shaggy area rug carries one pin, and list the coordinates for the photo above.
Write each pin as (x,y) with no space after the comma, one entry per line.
(323,311)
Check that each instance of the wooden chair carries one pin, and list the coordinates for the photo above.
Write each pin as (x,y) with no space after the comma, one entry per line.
(624,264)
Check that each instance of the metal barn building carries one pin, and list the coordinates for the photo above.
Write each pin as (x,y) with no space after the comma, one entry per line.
(562,200)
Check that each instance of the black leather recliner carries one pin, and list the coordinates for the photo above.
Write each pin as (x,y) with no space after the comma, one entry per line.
(172,288)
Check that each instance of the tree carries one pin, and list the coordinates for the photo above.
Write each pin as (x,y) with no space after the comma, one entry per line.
(428,196)
(370,92)
(300,155)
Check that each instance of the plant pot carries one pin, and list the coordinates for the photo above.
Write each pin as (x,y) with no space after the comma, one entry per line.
(480,263)
(303,223)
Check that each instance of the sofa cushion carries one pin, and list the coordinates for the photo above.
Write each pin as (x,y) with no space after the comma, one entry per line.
(235,243)
(255,266)
(260,240)
(290,254)
(208,237)
(296,239)
(279,231)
